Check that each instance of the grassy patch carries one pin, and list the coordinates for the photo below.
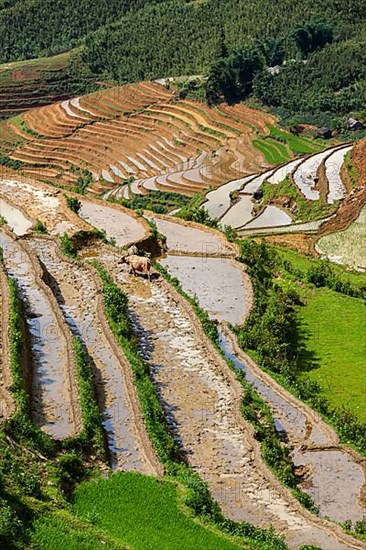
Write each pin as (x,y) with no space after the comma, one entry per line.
(39,227)
(274,152)
(298,145)
(306,210)
(156,201)
(68,246)
(91,436)
(52,533)
(335,327)
(299,264)
(350,169)
(18,121)
(159,524)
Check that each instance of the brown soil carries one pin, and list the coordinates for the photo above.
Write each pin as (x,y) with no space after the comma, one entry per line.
(152,115)
(300,242)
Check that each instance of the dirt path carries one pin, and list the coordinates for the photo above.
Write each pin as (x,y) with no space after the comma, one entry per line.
(78,293)
(55,403)
(6,401)
(202,401)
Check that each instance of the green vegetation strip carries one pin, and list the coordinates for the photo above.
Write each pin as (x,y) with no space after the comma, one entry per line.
(307,210)
(298,145)
(275,153)
(91,437)
(197,498)
(352,172)
(157,201)
(274,335)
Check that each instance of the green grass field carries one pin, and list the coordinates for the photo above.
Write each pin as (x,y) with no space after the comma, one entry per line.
(274,151)
(335,329)
(53,533)
(144,512)
(298,145)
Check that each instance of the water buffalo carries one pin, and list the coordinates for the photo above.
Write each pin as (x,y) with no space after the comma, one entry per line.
(138,264)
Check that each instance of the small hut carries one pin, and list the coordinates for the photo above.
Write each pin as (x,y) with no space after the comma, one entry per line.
(353,125)
(324,133)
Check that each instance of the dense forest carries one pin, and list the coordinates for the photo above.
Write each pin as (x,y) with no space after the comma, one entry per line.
(35,28)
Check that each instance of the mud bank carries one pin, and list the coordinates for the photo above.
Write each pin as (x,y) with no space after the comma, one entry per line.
(6,400)
(78,292)
(55,405)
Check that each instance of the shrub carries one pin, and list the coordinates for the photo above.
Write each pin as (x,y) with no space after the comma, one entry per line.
(10,524)
(40,227)
(68,246)
(73,203)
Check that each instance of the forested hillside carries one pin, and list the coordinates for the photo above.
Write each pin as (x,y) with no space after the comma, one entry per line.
(184,38)
(43,27)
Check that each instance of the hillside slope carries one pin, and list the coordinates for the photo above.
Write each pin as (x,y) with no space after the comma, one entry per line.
(32,83)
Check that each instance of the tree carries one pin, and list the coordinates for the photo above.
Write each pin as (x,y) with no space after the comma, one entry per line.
(312,35)
(220,82)
(273,51)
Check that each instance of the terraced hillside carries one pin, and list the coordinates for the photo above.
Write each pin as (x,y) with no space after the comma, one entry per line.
(298,196)
(206,423)
(142,133)
(27,84)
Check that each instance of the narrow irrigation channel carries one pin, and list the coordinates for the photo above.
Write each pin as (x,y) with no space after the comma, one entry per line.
(78,292)
(55,405)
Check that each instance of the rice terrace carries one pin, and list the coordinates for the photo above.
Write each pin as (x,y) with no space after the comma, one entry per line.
(182,275)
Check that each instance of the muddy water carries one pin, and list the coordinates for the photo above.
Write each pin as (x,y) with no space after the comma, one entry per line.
(281,173)
(220,285)
(272,216)
(191,239)
(117,224)
(52,402)
(334,479)
(240,213)
(14,218)
(333,166)
(199,401)
(305,174)
(78,298)
(218,201)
